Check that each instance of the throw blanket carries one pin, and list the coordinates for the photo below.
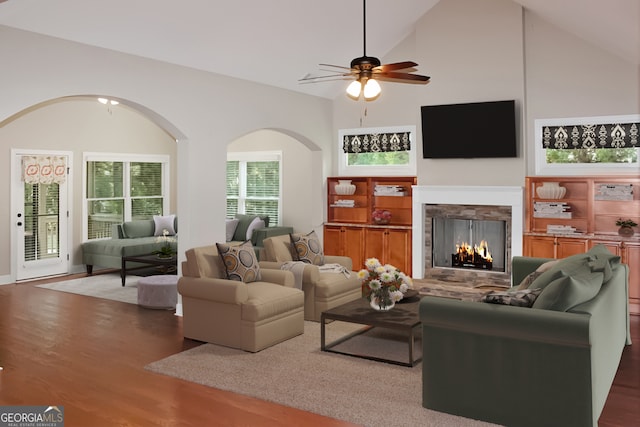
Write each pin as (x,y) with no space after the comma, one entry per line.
(296,267)
(334,268)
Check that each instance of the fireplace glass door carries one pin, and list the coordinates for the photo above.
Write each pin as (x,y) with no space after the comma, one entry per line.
(469,243)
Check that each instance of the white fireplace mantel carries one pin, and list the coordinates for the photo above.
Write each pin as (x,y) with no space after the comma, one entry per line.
(463,195)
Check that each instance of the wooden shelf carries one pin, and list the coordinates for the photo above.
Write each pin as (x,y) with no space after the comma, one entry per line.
(589,214)
(351,231)
(366,201)
(595,220)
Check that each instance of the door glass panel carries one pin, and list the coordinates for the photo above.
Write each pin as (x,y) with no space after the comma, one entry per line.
(41,221)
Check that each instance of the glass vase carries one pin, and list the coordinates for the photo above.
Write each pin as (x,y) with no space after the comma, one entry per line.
(375,304)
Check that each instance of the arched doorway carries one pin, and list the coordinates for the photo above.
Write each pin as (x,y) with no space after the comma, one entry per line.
(70,126)
(301,172)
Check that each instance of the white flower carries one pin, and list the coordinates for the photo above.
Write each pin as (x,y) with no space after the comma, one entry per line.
(375,284)
(396,296)
(372,263)
(363,274)
(387,277)
(404,288)
(406,280)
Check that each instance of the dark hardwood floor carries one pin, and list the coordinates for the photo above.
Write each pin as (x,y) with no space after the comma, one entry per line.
(88,355)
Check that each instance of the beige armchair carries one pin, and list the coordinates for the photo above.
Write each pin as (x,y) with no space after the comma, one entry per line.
(322,290)
(248,316)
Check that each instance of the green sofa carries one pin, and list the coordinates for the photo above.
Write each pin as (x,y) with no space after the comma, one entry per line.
(549,365)
(242,228)
(130,238)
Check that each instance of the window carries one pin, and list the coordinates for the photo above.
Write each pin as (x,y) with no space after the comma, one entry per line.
(377,151)
(253,184)
(587,145)
(123,188)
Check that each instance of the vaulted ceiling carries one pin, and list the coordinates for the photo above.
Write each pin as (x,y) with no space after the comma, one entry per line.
(277,42)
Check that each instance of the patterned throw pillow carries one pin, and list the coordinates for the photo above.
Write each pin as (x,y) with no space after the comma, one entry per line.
(531,277)
(240,262)
(523,298)
(307,248)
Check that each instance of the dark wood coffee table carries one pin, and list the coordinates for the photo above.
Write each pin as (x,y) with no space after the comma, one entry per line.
(168,265)
(402,321)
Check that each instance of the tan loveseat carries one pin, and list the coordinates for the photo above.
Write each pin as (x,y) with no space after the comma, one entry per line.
(248,316)
(322,290)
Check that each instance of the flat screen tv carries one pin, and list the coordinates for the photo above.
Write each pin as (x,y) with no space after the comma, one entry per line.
(471,130)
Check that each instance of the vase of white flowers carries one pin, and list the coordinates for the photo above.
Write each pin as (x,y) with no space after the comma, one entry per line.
(383,285)
(166,250)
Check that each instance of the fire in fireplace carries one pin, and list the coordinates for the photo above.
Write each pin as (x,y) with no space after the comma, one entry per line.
(469,243)
(477,256)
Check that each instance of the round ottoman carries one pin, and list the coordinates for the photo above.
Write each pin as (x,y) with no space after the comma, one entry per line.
(158,291)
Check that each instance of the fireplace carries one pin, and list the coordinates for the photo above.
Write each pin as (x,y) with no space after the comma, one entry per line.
(466,233)
(469,242)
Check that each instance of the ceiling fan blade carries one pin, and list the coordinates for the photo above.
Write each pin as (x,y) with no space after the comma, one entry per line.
(396,66)
(341,76)
(335,66)
(308,81)
(409,78)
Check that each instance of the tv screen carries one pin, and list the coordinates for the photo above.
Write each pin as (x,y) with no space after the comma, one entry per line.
(471,130)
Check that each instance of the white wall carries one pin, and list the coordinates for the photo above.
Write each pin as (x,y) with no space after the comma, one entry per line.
(203,110)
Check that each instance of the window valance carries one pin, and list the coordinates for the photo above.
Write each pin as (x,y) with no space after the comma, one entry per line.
(44,169)
(609,135)
(377,142)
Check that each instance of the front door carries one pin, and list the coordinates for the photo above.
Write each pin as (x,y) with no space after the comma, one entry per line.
(40,213)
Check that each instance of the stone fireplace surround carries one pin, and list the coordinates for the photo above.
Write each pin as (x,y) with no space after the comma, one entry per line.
(500,196)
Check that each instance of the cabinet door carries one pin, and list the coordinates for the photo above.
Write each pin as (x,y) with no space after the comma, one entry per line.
(566,247)
(374,239)
(398,249)
(353,244)
(390,246)
(540,246)
(614,247)
(631,257)
(332,240)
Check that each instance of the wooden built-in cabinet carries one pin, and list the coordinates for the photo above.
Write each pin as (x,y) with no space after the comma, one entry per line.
(594,218)
(351,231)
(393,246)
(553,246)
(346,241)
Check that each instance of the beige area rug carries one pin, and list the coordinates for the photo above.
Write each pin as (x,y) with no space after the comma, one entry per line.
(296,373)
(107,286)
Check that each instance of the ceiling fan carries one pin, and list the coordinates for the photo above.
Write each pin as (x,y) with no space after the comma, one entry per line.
(366,70)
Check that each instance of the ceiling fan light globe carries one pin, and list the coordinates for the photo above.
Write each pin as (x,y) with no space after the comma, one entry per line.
(371,90)
(354,89)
